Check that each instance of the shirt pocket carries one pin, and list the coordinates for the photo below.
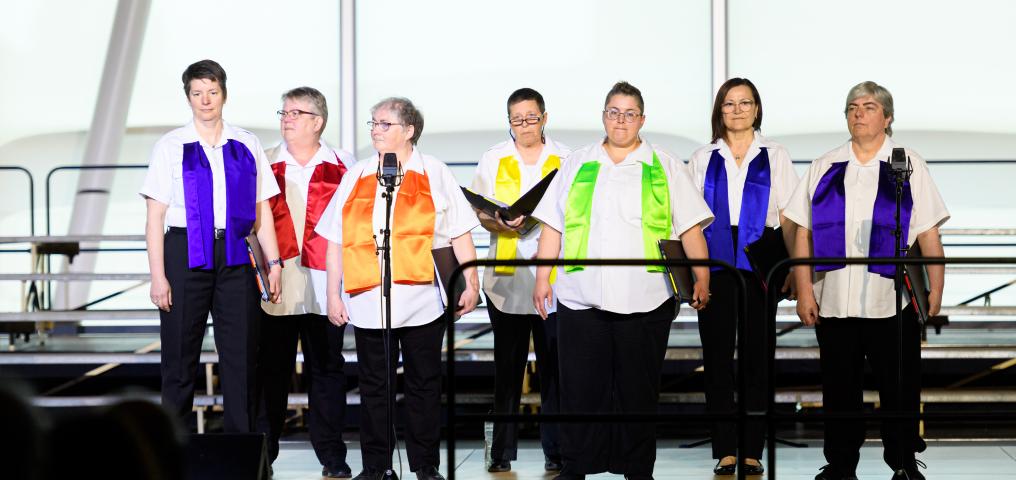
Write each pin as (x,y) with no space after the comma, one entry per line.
(176,174)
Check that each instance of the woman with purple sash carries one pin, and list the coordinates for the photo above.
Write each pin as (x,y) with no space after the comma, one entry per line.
(746,180)
(208,182)
(845,207)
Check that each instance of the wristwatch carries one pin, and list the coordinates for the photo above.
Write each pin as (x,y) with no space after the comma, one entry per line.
(277,261)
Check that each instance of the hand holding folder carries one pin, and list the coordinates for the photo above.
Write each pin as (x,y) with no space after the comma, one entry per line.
(257,261)
(523,207)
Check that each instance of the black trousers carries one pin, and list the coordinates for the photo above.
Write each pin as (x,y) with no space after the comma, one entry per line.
(717,325)
(326,391)
(511,353)
(232,297)
(611,363)
(844,344)
(421,353)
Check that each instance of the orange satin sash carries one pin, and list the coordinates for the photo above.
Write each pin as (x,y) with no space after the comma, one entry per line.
(412,234)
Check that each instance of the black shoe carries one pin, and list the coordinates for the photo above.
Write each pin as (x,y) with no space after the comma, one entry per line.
(638,477)
(428,473)
(565,476)
(373,474)
(499,466)
(551,464)
(724,469)
(341,472)
(750,469)
(910,471)
(829,472)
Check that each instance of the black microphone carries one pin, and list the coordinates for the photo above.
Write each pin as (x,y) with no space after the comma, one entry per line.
(899,162)
(389,170)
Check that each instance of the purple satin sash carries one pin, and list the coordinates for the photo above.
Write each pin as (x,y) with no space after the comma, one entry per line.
(828,222)
(754,208)
(241,191)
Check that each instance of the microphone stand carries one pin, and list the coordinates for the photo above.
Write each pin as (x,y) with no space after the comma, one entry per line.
(386,293)
(900,177)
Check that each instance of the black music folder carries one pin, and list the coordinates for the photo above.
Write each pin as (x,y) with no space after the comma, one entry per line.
(763,254)
(524,206)
(916,284)
(680,276)
(257,261)
(445,263)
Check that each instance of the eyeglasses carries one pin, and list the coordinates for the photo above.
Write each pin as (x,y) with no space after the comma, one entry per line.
(293,114)
(627,117)
(382,125)
(743,105)
(529,120)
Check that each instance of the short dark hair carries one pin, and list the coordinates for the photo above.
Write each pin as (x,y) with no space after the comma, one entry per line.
(625,88)
(719,129)
(406,111)
(524,94)
(207,70)
(315,97)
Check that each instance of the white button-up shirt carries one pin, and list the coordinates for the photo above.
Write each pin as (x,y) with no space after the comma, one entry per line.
(616,228)
(412,305)
(303,289)
(164,180)
(852,291)
(782,177)
(513,293)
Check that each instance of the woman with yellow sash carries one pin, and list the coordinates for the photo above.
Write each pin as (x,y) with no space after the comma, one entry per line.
(505,172)
(429,211)
(616,199)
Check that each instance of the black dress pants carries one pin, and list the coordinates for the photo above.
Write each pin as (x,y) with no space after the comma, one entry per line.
(421,353)
(511,353)
(611,363)
(717,325)
(844,344)
(322,354)
(232,297)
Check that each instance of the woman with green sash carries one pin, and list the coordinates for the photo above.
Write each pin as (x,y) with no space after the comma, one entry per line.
(616,199)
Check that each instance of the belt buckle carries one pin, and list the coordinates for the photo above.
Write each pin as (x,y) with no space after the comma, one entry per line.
(220,233)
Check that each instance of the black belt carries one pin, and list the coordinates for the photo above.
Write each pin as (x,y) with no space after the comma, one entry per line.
(220,233)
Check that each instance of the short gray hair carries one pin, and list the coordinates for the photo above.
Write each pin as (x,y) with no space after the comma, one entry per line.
(313,96)
(406,111)
(881,95)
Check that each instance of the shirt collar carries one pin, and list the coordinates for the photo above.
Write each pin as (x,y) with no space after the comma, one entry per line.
(643,153)
(753,150)
(883,152)
(228,133)
(323,155)
(549,148)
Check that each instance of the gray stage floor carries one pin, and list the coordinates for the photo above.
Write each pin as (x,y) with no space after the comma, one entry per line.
(946,461)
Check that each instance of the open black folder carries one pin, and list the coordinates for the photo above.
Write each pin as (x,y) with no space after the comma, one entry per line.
(257,261)
(445,263)
(680,276)
(524,206)
(763,254)
(915,282)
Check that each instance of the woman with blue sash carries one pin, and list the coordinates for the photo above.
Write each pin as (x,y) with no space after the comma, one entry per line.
(209,183)
(845,207)
(746,180)
(616,198)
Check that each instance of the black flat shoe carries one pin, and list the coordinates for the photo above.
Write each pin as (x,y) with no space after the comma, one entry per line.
(552,464)
(830,472)
(910,472)
(373,474)
(499,466)
(750,469)
(341,472)
(725,469)
(429,473)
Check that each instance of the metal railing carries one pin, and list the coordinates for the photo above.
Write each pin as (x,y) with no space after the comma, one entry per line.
(31,194)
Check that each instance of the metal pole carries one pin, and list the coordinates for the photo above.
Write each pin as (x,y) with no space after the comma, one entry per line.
(105,136)
(719,45)
(347,76)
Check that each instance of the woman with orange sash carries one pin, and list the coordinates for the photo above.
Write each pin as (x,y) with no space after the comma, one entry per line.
(505,172)
(616,199)
(429,211)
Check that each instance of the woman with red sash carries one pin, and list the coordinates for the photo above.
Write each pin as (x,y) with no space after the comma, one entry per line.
(746,179)
(845,206)
(308,172)
(429,211)
(616,199)
(505,172)
(209,183)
